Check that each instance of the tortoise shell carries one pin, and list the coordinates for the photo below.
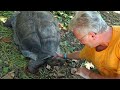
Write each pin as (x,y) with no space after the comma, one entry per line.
(36,33)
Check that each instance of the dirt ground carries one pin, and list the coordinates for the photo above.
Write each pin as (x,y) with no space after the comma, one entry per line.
(111,17)
(64,69)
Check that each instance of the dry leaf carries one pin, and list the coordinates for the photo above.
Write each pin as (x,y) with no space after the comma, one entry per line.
(6,39)
(9,75)
(60,25)
(48,67)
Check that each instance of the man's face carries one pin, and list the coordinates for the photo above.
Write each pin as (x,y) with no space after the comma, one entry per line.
(89,39)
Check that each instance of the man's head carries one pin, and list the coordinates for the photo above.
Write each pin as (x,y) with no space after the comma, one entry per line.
(86,25)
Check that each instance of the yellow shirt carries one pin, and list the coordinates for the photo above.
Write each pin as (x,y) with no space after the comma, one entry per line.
(107,61)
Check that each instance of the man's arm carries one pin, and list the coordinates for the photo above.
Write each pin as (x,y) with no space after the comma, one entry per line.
(93,75)
(88,74)
(74,55)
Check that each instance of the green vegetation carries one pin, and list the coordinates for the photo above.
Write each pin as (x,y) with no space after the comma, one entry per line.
(11,58)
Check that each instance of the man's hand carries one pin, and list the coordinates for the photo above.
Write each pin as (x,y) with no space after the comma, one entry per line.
(87,74)
(57,56)
(83,72)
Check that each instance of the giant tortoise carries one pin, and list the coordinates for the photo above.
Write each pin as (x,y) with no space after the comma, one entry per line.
(37,35)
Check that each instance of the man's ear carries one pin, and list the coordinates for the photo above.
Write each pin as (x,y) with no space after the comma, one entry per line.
(92,34)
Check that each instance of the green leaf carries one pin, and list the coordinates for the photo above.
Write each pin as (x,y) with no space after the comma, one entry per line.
(5,70)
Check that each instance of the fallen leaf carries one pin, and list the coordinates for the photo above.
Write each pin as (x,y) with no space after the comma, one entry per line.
(6,39)
(48,67)
(60,25)
(9,75)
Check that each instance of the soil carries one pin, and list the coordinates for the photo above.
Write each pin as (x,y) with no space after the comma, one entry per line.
(111,17)
(65,69)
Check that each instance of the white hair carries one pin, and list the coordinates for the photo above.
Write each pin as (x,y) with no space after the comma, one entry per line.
(88,21)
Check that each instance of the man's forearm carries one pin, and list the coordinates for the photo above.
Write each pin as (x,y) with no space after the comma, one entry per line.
(74,55)
(93,75)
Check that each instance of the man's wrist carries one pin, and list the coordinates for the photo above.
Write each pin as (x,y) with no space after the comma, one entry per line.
(65,56)
(90,74)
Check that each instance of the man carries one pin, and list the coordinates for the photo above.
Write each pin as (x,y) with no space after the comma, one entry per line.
(102,45)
